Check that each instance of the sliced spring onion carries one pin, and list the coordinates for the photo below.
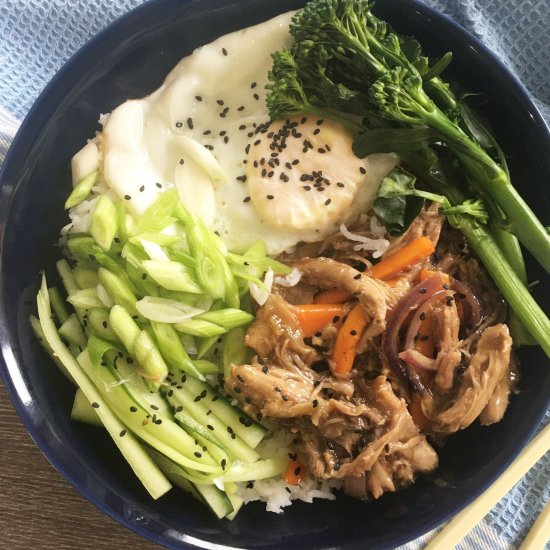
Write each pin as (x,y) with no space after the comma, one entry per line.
(154,251)
(205,367)
(103,226)
(85,299)
(164,310)
(85,278)
(172,350)
(172,276)
(81,190)
(99,325)
(119,291)
(150,358)
(229,318)
(262,262)
(158,215)
(196,327)
(234,351)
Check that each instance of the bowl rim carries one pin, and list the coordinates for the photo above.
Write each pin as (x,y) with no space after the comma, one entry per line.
(11,372)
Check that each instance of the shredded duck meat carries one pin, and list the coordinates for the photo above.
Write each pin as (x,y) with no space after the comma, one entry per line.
(434,356)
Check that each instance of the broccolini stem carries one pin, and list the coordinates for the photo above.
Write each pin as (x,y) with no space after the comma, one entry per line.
(508,282)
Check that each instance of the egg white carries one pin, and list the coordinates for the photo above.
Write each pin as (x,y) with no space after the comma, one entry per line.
(216,97)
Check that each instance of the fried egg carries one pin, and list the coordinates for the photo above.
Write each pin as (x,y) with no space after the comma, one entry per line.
(206,130)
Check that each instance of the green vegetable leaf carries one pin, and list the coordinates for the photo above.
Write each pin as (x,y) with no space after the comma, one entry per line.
(396,203)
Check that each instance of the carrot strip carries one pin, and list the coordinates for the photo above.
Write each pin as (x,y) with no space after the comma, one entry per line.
(413,252)
(314,317)
(332,296)
(348,339)
(425,328)
(415,410)
(294,472)
(427,273)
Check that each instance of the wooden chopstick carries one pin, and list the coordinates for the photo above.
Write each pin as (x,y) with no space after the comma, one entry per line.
(540,532)
(466,520)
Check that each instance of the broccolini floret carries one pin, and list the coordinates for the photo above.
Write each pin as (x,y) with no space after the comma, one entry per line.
(348,65)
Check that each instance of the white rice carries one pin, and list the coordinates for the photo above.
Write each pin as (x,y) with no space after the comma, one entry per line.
(377,246)
(275,492)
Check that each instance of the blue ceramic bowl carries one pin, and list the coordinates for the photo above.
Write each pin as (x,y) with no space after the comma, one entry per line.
(130,59)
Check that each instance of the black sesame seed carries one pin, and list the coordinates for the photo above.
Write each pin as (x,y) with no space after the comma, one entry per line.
(179,124)
(128,197)
(197,454)
(133,409)
(198,98)
(270,197)
(353,332)
(424,338)
(253,85)
(159,185)
(423,290)
(357,277)
(284,397)
(240,378)
(242,126)
(314,403)
(246,199)
(95,405)
(265,370)
(190,123)
(207,132)
(327,202)
(241,108)
(220,102)
(336,318)
(307,187)
(256,97)
(224,51)
(422,316)
(210,427)
(122,433)
(142,188)
(362,170)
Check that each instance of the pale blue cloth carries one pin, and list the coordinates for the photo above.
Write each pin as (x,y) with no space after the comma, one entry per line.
(38,36)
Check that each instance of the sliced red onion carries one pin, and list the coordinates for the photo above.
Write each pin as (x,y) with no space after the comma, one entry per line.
(390,339)
(356,487)
(417,360)
(464,293)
